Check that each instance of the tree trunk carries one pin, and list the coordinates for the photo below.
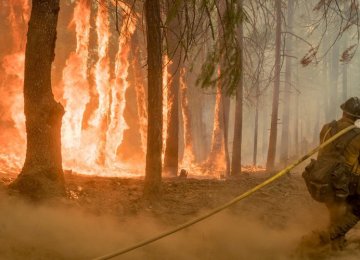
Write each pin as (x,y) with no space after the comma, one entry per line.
(326,88)
(345,74)
(154,132)
(334,75)
(237,141)
(171,159)
(288,70)
(42,174)
(216,157)
(297,125)
(221,145)
(345,82)
(226,112)
(256,130)
(275,105)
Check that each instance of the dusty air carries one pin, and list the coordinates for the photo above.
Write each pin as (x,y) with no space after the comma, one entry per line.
(179,129)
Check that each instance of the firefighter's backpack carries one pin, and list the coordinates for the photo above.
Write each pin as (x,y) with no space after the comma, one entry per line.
(328,177)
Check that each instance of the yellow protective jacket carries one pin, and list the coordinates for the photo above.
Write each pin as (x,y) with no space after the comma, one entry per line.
(352,151)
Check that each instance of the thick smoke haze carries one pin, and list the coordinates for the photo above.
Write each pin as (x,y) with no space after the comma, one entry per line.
(30,231)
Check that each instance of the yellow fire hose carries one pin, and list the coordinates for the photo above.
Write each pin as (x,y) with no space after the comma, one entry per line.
(230,203)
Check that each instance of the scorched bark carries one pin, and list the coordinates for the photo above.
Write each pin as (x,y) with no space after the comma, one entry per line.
(42,173)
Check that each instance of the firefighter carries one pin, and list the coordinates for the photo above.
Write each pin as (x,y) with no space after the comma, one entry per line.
(344,204)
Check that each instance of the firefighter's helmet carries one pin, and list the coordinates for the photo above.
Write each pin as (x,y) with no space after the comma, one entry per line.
(352,107)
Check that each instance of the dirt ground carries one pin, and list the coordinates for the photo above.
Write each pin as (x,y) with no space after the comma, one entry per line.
(101,215)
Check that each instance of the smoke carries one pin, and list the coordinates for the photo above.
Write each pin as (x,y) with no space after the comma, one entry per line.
(65,231)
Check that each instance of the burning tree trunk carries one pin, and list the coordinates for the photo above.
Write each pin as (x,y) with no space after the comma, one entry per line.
(237,142)
(188,156)
(154,134)
(42,173)
(171,159)
(286,110)
(219,146)
(217,155)
(275,104)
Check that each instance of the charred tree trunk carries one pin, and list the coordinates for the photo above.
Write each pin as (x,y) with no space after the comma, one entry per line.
(42,174)
(171,159)
(288,71)
(154,132)
(237,141)
(275,104)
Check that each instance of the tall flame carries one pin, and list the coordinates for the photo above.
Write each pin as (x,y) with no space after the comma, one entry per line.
(166,102)
(102,79)
(118,124)
(76,88)
(13,66)
(141,105)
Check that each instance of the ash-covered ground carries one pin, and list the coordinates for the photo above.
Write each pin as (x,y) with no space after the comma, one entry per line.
(101,215)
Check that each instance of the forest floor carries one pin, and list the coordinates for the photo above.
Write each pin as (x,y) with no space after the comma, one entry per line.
(102,214)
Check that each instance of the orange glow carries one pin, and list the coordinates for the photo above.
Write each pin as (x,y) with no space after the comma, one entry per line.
(94,149)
